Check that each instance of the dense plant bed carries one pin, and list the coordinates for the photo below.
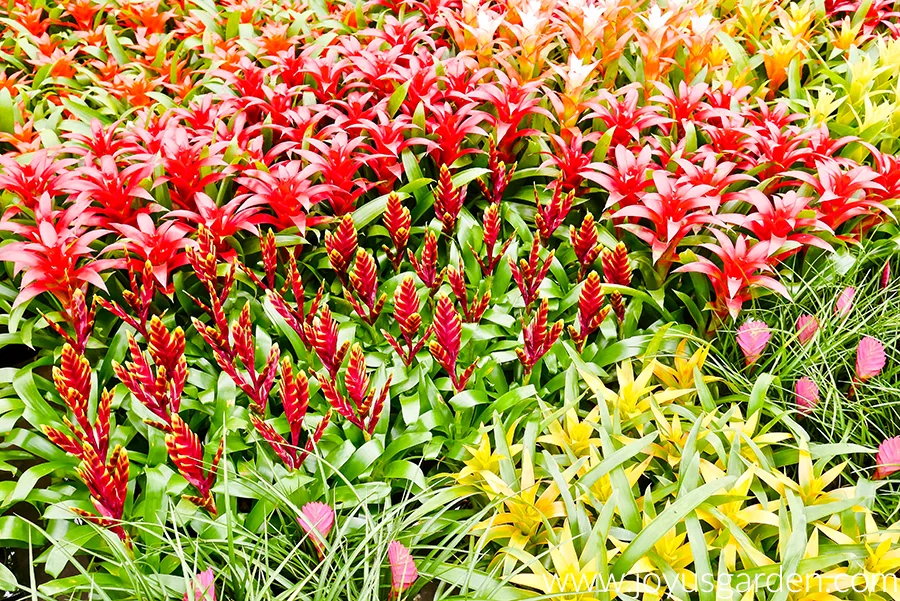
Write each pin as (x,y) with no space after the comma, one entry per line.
(349,301)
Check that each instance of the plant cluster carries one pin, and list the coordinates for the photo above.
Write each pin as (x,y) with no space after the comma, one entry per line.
(316,248)
(682,496)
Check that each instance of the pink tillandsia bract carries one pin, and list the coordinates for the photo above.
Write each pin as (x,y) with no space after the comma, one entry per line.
(806,394)
(807,326)
(317,519)
(844,302)
(870,358)
(202,587)
(752,338)
(887,460)
(403,568)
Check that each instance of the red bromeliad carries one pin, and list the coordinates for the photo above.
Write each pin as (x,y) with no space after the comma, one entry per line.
(341,246)
(406,314)
(397,221)
(364,282)
(448,200)
(56,256)
(491,232)
(295,314)
(474,310)
(242,348)
(367,405)
(186,453)
(294,393)
(158,390)
(529,274)
(744,266)
(500,176)
(81,318)
(591,311)
(551,215)
(537,337)
(617,271)
(445,347)
(138,299)
(673,210)
(585,243)
(426,266)
(322,336)
(107,481)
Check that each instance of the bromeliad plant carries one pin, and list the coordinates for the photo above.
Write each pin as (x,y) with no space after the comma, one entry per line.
(683,498)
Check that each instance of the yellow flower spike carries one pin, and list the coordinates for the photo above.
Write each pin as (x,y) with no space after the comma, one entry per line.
(573,435)
(738,514)
(882,561)
(754,19)
(681,375)
(797,19)
(883,556)
(888,58)
(861,72)
(672,436)
(671,551)
(875,115)
(746,431)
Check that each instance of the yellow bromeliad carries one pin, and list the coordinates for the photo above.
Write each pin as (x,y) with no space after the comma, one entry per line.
(736,513)
(523,513)
(601,491)
(672,436)
(484,460)
(573,577)
(752,443)
(633,398)
(671,554)
(573,435)
(813,489)
(681,374)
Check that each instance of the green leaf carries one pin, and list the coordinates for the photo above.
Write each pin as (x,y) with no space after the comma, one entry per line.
(362,459)
(615,459)
(37,411)
(7,112)
(397,98)
(758,394)
(7,579)
(664,522)
(115,47)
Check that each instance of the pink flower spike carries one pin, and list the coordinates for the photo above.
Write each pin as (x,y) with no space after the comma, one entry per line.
(886,274)
(888,458)
(204,587)
(403,568)
(753,337)
(870,358)
(807,326)
(317,520)
(844,301)
(807,395)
